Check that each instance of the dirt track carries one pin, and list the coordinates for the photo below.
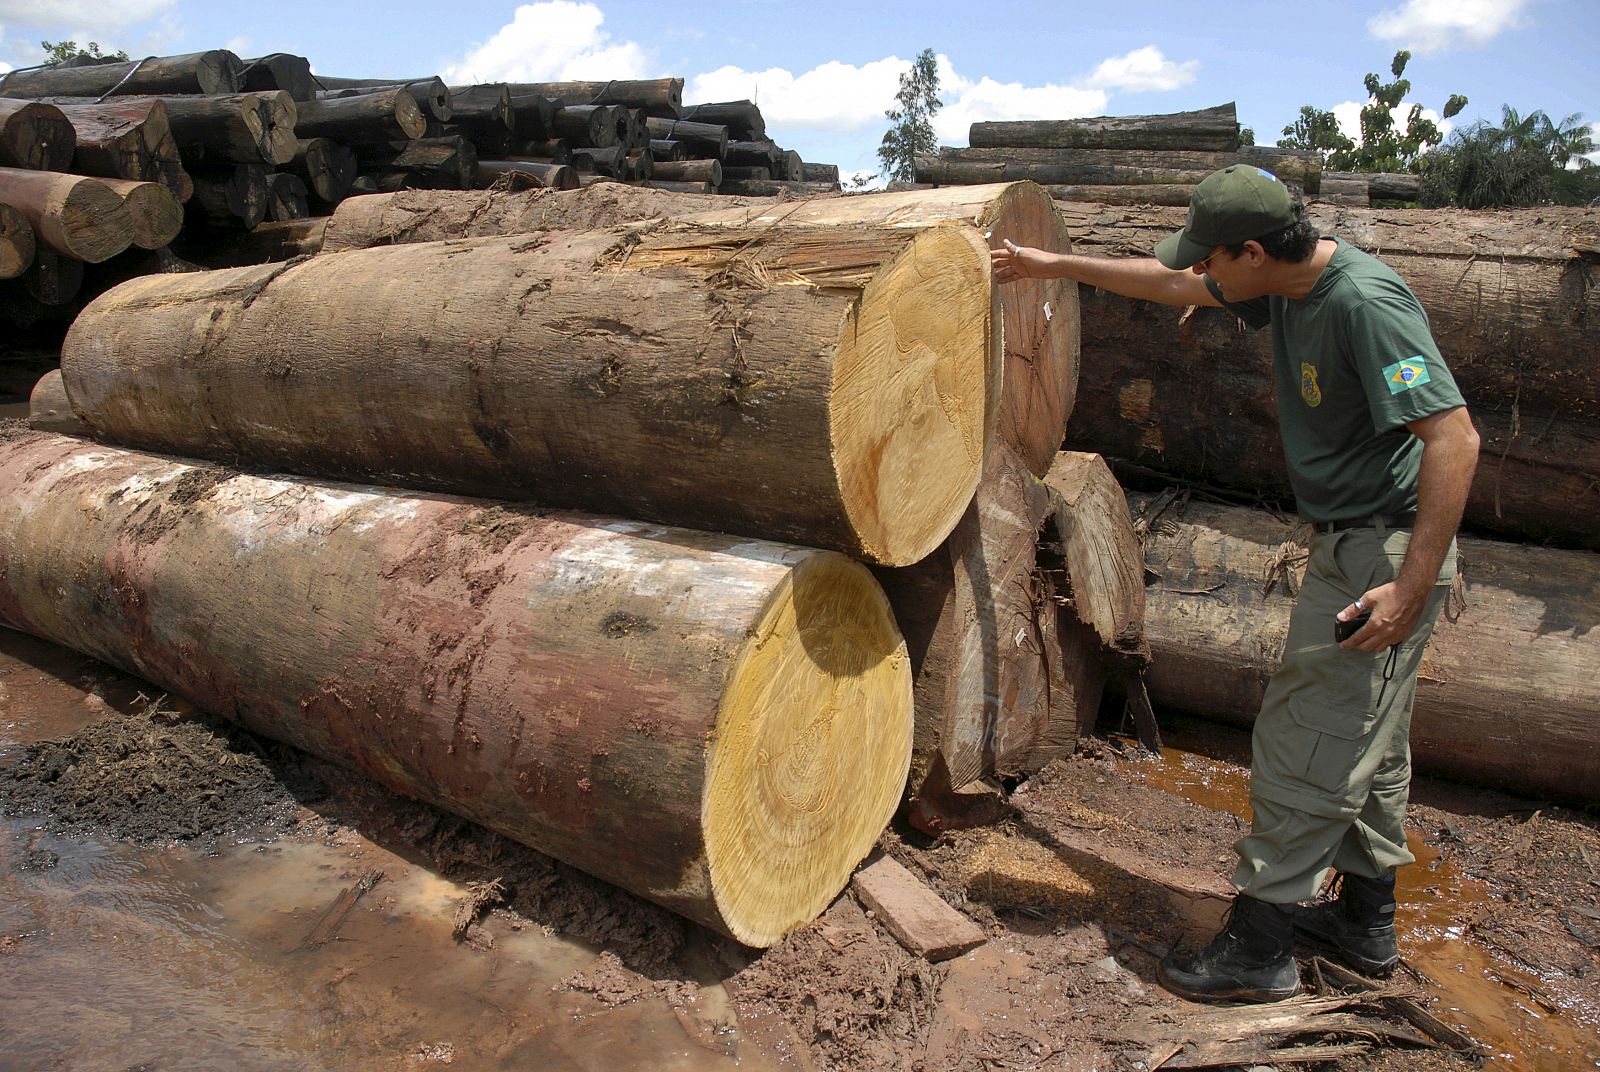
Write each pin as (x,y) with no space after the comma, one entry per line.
(1103,865)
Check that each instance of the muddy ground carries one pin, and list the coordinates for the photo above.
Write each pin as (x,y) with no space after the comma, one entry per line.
(1108,858)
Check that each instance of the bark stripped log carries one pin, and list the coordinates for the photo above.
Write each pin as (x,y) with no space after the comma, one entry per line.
(1512,306)
(1507,695)
(71,215)
(721,726)
(49,410)
(154,213)
(1104,561)
(824,384)
(523,174)
(35,135)
(17,244)
(1208,130)
(217,71)
(128,140)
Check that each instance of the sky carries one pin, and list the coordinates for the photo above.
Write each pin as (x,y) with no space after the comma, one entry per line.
(824,71)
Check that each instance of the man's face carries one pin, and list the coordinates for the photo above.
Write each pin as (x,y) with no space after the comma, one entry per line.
(1233,275)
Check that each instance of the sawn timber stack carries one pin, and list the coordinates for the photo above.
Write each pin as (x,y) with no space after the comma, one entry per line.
(718,724)
(827,386)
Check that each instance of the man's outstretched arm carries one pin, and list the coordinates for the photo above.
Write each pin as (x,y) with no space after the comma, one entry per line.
(1144,278)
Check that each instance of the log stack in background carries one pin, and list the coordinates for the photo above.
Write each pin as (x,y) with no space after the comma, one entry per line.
(1116,160)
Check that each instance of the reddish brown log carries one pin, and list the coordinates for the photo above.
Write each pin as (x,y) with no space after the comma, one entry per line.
(128,140)
(155,215)
(35,135)
(17,245)
(71,215)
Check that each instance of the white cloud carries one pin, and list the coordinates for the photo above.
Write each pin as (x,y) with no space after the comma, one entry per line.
(1142,70)
(99,14)
(834,96)
(239,46)
(985,100)
(1437,25)
(553,41)
(1348,114)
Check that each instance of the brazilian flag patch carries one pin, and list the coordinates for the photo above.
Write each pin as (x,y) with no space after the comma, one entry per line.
(1404,375)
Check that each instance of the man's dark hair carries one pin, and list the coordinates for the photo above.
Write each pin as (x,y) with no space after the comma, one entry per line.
(1291,244)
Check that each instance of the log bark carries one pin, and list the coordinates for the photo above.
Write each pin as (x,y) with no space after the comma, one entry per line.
(326,167)
(681,187)
(1302,167)
(992,692)
(49,410)
(742,118)
(688,171)
(128,140)
(778,188)
(262,244)
(754,154)
(17,244)
(279,71)
(730,754)
(485,108)
(243,128)
(666,150)
(384,115)
(544,152)
(217,71)
(586,126)
(154,213)
(1208,130)
(742,173)
(821,173)
(1164,195)
(662,97)
(939,170)
(1507,695)
(286,197)
(1511,305)
(452,160)
(1040,316)
(792,168)
(71,215)
(431,95)
(1380,186)
(232,197)
(533,118)
(523,174)
(35,135)
(705,139)
(653,378)
(1104,560)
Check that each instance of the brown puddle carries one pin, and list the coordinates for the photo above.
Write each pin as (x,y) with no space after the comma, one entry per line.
(1480,994)
(114,956)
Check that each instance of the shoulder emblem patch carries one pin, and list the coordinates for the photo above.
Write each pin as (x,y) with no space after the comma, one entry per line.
(1309,389)
(1404,375)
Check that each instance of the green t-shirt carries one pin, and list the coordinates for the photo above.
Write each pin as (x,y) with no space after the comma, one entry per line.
(1354,362)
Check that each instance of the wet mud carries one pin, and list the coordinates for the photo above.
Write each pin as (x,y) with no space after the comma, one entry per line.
(270,911)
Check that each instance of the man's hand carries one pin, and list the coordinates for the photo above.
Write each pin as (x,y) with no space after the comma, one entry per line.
(1013,262)
(1395,612)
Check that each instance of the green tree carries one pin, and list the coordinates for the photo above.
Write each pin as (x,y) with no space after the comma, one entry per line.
(1525,160)
(1384,145)
(911,120)
(61,51)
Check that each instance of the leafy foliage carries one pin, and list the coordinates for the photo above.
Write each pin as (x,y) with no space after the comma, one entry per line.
(911,120)
(61,51)
(1525,160)
(1384,145)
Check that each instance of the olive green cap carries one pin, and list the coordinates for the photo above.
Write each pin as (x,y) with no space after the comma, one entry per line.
(1230,206)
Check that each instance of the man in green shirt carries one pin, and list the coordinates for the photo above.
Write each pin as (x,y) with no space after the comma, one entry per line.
(1380,452)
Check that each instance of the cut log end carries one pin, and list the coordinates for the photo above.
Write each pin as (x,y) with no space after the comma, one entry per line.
(17,244)
(911,383)
(813,743)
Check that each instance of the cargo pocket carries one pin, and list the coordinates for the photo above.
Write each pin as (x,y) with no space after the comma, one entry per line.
(1335,741)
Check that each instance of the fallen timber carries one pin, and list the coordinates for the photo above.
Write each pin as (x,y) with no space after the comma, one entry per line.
(827,385)
(216,71)
(720,725)
(1507,695)
(1188,393)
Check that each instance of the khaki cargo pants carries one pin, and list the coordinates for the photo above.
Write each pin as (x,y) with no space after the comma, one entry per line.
(1331,767)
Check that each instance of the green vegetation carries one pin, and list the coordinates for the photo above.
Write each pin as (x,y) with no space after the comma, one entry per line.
(61,51)
(1384,145)
(911,128)
(1525,160)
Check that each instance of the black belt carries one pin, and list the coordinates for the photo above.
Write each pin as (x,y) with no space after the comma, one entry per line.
(1387,521)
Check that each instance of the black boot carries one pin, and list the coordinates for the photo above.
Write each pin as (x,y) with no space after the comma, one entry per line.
(1248,961)
(1357,927)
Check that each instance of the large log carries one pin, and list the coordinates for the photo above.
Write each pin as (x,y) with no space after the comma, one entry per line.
(49,410)
(658,97)
(938,169)
(380,116)
(217,71)
(1040,316)
(286,197)
(231,196)
(533,117)
(742,118)
(243,128)
(524,174)
(292,74)
(427,216)
(688,171)
(1208,130)
(1167,194)
(821,173)
(128,140)
(1507,695)
(17,244)
(706,139)
(35,135)
(825,385)
(71,215)
(326,167)
(586,125)
(1381,186)
(431,94)
(1507,296)
(262,244)
(719,725)
(1104,562)
(483,108)
(454,160)
(1303,167)
(778,188)
(154,212)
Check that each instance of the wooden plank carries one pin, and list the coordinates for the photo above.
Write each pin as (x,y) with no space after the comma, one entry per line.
(913,913)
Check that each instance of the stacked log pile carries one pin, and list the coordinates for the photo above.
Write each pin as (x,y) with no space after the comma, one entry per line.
(1509,296)
(239,143)
(573,680)
(1139,159)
